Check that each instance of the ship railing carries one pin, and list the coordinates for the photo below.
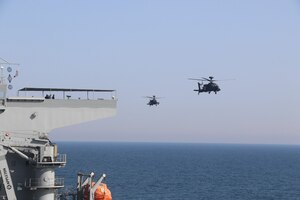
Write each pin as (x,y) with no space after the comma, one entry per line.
(44,183)
(67,93)
(60,159)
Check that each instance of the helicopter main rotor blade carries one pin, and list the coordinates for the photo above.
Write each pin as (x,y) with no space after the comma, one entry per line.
(210,80)
(229,79)
(225,80)
(201,79)
(196,79)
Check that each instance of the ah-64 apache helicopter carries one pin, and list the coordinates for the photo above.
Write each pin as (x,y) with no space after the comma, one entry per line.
(209,87)
(153,100)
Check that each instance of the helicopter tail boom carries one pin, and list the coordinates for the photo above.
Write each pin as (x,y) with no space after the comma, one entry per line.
(198,91)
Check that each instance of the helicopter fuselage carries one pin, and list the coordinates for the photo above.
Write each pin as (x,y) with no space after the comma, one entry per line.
(153,102)
(209,87)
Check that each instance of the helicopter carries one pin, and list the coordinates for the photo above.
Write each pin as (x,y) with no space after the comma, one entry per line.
(153,100)
(209,87)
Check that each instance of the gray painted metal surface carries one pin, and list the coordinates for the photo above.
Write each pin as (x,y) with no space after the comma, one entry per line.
(28,159)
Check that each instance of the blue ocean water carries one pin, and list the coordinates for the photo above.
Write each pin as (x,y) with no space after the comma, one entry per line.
(150,171)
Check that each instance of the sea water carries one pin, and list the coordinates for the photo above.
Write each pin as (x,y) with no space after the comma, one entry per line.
(149,171)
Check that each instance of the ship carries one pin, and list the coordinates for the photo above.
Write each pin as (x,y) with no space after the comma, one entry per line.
(28,159)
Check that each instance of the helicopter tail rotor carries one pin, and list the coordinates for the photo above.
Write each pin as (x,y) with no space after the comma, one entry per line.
(199,88)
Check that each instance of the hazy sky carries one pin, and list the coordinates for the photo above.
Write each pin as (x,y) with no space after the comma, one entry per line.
(142,48)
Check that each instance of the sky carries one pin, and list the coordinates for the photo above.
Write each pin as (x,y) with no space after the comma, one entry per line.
(151,47)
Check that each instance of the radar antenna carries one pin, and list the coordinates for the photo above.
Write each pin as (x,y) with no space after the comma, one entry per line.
(4,63)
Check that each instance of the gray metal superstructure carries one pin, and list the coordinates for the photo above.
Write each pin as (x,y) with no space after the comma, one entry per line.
(28,158)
